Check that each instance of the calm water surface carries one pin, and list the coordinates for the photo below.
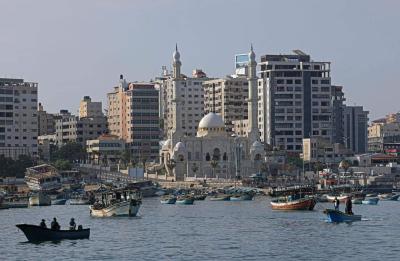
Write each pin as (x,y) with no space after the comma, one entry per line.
(209,231)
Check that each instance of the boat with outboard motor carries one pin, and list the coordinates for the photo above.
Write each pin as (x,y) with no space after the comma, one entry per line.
(38,234)
(220,197)
(117,203)
(370,201)
(336,216)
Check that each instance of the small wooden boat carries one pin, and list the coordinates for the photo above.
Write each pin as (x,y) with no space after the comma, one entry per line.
(220,197)
(247,196)
(296,204)
(341,198)
(370,201)
(339,216)
(37,234)
(389,196)
(39,199)
(61,201)
(185,200)
(200,197)
(170,200)
(357,200)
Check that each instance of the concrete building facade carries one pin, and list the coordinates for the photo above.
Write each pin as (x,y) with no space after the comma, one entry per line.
(46,122)
(89,108)
(18,118)
(295,95)
(228,98)
(355,126)
(133,116)
(188,91)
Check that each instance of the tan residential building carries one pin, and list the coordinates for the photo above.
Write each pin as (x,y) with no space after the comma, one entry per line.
(106,148)
(133,116)
(318,149)
(46,122)
(89,108)
(228,98)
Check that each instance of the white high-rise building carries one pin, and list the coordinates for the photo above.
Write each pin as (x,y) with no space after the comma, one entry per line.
(18,118)
(295,100)
(187,91)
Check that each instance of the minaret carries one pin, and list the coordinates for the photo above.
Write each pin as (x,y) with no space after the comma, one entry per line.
(253,132)
(176,63)
(176,99)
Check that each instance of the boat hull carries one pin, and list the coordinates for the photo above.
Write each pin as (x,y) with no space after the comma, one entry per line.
(79,201)
(58,201)
(357,201)
(370,201)
(125,208)
(169,201)
(220,198)
(336,216)
(37,234)
(39,200)
(186,201)
(300,204)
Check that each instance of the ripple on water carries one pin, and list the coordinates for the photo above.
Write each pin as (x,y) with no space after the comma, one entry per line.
(210,231)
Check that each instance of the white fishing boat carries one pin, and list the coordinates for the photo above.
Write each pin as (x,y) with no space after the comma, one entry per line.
(43,178)
(117,203)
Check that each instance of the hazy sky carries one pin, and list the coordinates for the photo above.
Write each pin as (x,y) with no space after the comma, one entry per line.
(77,48)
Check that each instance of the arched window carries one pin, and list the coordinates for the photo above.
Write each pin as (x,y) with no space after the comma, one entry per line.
(181,157)
(216,154)
(208,157)
(257,157)
(225,157)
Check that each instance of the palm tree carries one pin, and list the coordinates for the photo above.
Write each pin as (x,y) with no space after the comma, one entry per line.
(214,164)
(345,165)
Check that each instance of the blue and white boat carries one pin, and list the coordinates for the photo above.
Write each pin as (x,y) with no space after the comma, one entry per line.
(337,216)
(185,200)
(370,201)
(168,200)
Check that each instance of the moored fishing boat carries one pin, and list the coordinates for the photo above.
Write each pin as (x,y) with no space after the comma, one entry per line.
(339,216)
(39,199)
(61,201)
(168,199)
(220,197)
(286,203)
(117,203)
(357,200)
(200,197)
(342,198)
(43,178)
(389,196)
(185,200)
(370,201)
(37,234)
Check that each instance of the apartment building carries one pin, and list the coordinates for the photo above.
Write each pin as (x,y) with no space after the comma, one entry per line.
(46,122)
(133,116)
(89,108)
(228,98)
(294,100)
(355,129)
(189,92)
(71,128)
(382,135)
(18,118)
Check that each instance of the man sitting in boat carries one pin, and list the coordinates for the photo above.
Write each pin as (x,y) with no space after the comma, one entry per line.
(55,225)
(43,224)
(336,203)
(349,206)
(72,224)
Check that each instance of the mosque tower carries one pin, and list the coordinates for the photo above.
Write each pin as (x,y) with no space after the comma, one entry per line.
(253,132)
(177,123)
(176,63)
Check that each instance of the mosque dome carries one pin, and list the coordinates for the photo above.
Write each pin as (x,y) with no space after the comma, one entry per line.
(180,147)
(211,120)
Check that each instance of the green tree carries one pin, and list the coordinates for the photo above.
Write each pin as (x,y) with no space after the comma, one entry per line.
(71,152)
(63,164)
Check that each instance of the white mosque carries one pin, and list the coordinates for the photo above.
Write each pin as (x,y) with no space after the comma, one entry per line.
(213,153)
